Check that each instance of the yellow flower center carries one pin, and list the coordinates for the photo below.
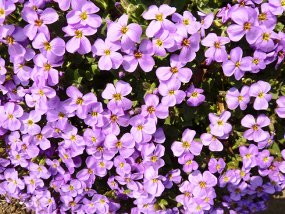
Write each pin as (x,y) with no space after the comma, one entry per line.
(247,26)
(186,144)
(117,96)
(151,109)
(186,21)
(79,101)
(10,40)
(256,61)
(194,94)
(261,95)
(93,139)
(185,42)
(217,45)
(30,122)
(237,64)
(71,187)
(114,118)
(41,92)
(78,34)
(124,29)
(240,98)
(266,36)
(83,15)
(140,127)
(255,127)
(220,122)
(47,46)
(47,67)
(102,164)
(159,17)
(10,116)
(107,52)
(174,70)
(159,42)
(202,184)
(138,55)
(262,17)
(2,12)
(154,158)
(61,115)
(119,144)
(39,22)
(94,114)
(73,138)
(171,92)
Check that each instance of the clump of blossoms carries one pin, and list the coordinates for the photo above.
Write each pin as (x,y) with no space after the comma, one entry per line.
(107,110)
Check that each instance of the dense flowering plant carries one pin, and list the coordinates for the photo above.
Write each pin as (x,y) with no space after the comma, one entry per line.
(128,107)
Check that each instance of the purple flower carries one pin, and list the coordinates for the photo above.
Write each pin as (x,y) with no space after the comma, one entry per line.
(50,49)
(122,166)
(158,17)
(176,71)
(73,188)
(211,141)
(277,7)
(259,90)
(188,162)
(163,40)
(171,93)
(109,57)
(153,108)
(264,160)
(79,41)
(215,165)
(78,102)
(6,8)
(125,145)
(9,116)
(246,24)
(186,144)
(255,131)
(13,37)
(234,98)
(128,34)
(258,61)
(257,186)
(280,110)
(116,94)
(142,129)
(38,22)
(219,126)
(195,96)
(44,69)
(248,155)
(265,42)
(188,21)
(206,21)
(29,123)
(202,182)
(236,65)
(142,56)
(217,50)
(12,182)
(83,14)
(188,46)
(152,155)
(152,182)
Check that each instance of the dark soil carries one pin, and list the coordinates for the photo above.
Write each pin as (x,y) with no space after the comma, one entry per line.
(12,208)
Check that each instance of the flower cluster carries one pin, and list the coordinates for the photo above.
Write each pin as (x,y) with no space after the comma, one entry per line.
(114,146)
